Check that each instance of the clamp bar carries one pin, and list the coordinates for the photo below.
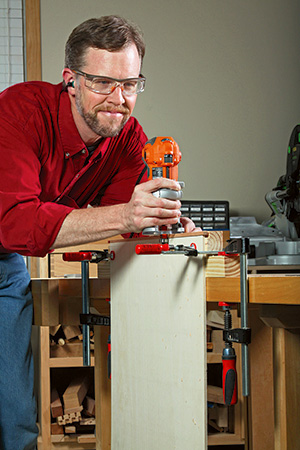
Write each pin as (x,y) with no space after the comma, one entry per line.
(86,257)
(242,246)
(85,310)
(244,323)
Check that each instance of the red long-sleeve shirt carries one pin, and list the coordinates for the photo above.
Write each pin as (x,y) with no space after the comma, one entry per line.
(43,170)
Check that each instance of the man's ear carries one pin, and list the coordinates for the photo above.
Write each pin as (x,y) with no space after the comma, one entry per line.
(68,78)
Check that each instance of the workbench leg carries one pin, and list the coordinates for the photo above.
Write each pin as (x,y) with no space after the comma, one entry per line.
(286,389)
(102,390)
(45,396)
(261,401)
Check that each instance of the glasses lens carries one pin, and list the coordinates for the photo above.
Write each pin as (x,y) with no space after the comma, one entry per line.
(101,85)
(133,87)
(104,85)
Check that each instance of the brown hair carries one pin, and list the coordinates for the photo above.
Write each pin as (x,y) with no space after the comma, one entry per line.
(111,33)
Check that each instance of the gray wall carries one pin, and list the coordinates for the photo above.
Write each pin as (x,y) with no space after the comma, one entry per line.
(223,79)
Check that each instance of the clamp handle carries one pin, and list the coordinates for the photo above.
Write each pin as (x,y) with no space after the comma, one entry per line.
(151,249)
(229,376)
(77,256)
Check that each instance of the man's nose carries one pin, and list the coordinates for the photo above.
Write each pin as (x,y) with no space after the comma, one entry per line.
(117,95)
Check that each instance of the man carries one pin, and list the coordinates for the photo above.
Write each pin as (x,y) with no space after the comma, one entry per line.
(64,147)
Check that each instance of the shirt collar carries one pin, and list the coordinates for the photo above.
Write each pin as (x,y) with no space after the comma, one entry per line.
(70,137)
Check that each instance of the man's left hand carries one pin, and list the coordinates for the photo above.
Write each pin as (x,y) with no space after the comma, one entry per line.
(189,226)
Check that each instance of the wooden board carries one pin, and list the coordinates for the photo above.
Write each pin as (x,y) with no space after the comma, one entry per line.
(275,289)
(158,330)
(262,289)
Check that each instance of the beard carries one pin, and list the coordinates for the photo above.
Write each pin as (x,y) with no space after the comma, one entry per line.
(92,120)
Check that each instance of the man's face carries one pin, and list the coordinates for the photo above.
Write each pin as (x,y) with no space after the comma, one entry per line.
(100,114)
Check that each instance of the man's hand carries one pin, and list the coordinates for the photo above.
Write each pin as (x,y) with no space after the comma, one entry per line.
(189,226)
(145,210)
(142,211)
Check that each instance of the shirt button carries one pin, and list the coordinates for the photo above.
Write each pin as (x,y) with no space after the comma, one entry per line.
(67,155)
(83,151)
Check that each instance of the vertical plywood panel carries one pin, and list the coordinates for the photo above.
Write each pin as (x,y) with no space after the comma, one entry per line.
(158,320)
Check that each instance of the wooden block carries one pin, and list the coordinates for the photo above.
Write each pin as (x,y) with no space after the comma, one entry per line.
(54,329)
(222,416)
(68,418)
(215,394)
(56,405)
(222,266)
(217,341)
(71,331)
(89,406)
(215,241)
(86,439)
(75,392)
(232,266)
(215,266)
(76,410)
(57,438)
(215,319)
(87,421)
(56,429)
(70,429)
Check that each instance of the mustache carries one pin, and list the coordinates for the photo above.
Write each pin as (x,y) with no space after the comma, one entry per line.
(115,109)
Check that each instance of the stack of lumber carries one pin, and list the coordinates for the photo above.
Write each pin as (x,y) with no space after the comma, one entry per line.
(74,411)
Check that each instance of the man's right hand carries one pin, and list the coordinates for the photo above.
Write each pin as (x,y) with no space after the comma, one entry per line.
(145,210)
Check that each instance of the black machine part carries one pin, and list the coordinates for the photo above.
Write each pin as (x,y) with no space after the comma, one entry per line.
(287,190)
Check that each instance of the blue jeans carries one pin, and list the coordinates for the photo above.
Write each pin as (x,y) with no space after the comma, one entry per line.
(18,429)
